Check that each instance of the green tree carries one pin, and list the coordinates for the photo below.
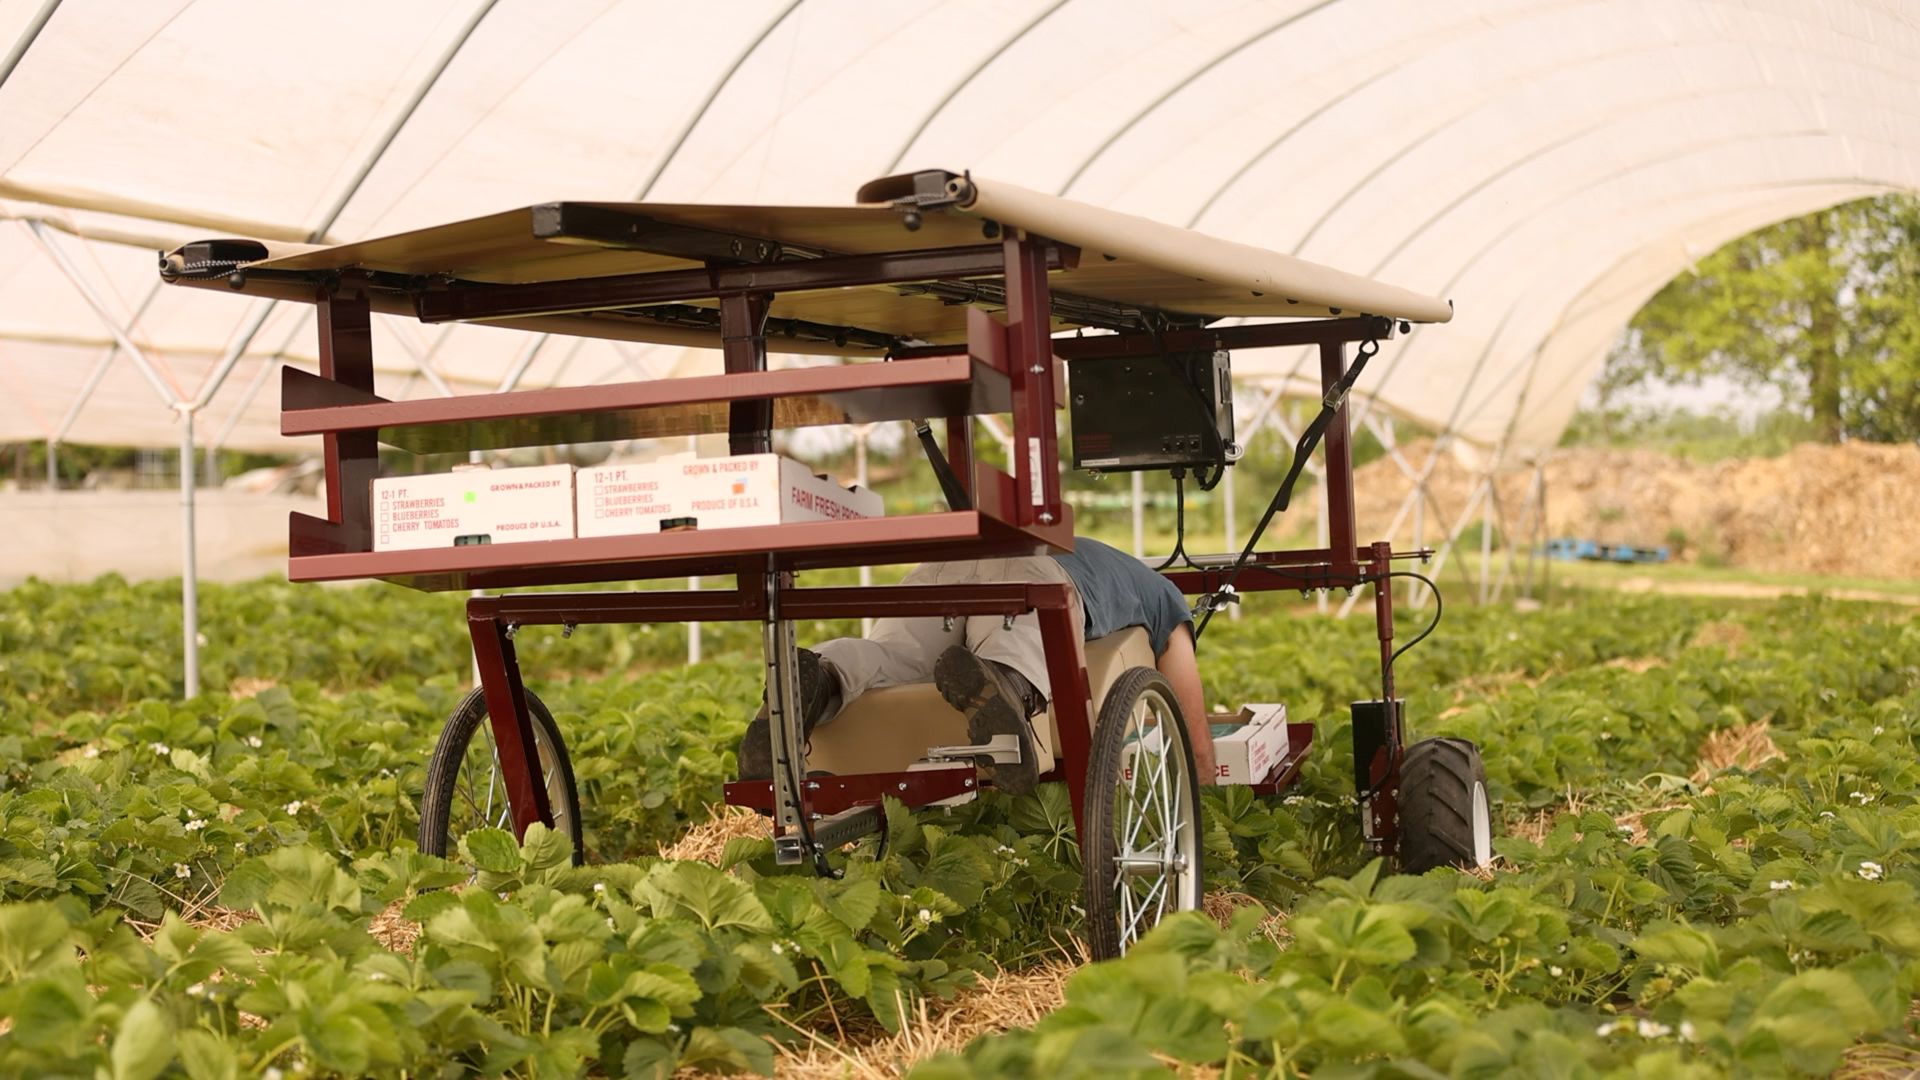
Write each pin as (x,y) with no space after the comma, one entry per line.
(1825,307)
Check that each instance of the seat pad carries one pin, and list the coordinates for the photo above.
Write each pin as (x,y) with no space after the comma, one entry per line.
(886,730)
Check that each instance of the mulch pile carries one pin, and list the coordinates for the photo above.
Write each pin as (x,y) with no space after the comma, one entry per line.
(1852,509)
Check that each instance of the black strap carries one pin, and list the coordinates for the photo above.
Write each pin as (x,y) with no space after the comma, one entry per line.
(950,486)
(1309,439)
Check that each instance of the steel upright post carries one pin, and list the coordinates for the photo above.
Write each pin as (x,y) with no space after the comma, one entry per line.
(189,567)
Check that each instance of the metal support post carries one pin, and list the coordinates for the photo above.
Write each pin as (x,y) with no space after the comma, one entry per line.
(860,436)
(1486,537)
(507,716)
(1036,453)
(743,345)
(784,731)
(1139,517)
(53,464)
(189,570)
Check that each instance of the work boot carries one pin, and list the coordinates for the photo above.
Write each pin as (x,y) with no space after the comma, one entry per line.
(816,695)
(997,701)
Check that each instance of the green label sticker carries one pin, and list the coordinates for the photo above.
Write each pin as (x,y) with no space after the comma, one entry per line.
(471,496)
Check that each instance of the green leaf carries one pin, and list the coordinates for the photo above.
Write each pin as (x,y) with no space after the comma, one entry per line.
(206,1056)
(31,936)
(144,1044)
(701,892)
(493,850)
(650,1059)
(1350,1029)
(853,903)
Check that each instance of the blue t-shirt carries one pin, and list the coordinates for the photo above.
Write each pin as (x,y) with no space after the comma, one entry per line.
(1119,591)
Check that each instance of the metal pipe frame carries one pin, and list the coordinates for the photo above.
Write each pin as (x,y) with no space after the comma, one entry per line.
(470,301)
(494,620)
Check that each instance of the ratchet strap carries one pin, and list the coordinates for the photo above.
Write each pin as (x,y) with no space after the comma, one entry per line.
(950,486)
(1302,450)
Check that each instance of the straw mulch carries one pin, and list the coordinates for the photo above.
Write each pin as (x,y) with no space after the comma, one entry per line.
(706,841)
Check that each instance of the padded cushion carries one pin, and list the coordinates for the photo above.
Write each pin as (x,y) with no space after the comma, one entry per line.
(888,729)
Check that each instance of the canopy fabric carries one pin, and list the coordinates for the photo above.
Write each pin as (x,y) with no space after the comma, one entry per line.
(1128,264)
(1545,164)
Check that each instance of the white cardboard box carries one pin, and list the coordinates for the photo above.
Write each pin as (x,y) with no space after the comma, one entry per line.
(504,505)
(718,493)
(1246,745)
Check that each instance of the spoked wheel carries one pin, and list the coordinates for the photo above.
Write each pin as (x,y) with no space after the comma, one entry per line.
(1445,819)
(466,791)
(1141,852)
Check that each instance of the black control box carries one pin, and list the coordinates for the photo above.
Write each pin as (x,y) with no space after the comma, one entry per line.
(1153,412)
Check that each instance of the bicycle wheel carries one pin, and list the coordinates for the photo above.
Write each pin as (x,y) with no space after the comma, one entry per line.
(1141,856)
(465,789)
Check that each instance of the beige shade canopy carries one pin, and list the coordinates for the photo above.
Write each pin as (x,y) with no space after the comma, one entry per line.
(1546,164)
(1131,262)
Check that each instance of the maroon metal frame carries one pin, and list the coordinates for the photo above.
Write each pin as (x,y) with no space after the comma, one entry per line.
(1012,367)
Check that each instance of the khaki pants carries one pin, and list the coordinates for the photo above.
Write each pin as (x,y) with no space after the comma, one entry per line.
(901,651)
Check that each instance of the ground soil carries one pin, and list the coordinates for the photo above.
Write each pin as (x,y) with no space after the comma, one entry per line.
(1834,510)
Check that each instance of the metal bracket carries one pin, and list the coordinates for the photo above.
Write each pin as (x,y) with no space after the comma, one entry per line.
(1001,750)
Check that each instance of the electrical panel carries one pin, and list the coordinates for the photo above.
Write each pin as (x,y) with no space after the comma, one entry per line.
(1152,412)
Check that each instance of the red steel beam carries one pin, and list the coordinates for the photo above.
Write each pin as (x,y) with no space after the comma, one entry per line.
(1030,362)
(1338,462)
(512,726)
(352,459)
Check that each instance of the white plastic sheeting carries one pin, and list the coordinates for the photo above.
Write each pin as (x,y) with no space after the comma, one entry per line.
(1546,164)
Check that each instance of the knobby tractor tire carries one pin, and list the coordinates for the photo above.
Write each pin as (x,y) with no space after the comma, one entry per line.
(1141,855)
(465,791)
(1445,818)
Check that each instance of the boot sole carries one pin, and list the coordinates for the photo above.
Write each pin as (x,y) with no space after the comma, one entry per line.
(965,682)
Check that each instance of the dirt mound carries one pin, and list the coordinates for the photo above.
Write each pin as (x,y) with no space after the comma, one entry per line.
(1849,509)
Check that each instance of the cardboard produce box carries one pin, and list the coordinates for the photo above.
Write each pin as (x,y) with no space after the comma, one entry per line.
(717,493)
(473,505)
(1246,745)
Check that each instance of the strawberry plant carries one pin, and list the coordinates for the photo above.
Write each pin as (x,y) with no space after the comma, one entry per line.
(1650,916)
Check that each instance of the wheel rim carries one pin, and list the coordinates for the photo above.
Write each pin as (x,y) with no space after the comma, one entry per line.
(480,790)
(1156,832)
(1482,826)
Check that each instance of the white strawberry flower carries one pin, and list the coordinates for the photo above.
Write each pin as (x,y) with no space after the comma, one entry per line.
(91,751)
(1653,1029)
(294,807)
(1687,1031)
(1871,871)
(254,741)
(1861,797)
(160,749)
(1781,886)
(925,917)
(182,870)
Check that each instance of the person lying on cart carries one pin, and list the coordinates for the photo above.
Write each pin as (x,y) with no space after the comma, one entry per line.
(994,674)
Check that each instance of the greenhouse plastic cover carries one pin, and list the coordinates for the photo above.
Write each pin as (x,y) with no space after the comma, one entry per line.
(1544,164)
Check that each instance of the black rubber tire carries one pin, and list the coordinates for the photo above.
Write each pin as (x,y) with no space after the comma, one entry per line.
(443,772)
(1438,778)
(1106,939)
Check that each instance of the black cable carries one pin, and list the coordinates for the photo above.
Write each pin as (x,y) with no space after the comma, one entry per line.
(1439,607)
(1335,398)
(1179,522)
